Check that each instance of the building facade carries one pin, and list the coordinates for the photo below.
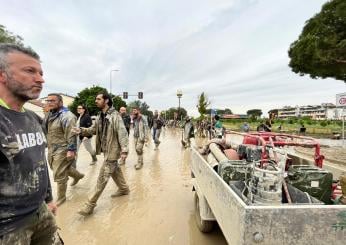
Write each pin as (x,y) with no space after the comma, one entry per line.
(325,111)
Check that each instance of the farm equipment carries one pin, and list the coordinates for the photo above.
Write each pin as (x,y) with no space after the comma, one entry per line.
(261,194)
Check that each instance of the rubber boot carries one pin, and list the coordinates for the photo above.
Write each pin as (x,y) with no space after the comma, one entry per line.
(72,172)
(87,209)
(61,193)
(94,160)
(139,165)
(343,188)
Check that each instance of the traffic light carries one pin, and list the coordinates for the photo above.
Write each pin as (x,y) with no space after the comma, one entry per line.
(125,95)
(140,95)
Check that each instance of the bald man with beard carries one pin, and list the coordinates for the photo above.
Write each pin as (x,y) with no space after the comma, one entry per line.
(126,118)
(127,122)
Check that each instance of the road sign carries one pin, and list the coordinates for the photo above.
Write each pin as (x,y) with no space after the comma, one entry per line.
(341,100)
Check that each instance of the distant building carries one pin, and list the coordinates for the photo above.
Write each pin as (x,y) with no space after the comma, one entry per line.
(316,112)
(35,106)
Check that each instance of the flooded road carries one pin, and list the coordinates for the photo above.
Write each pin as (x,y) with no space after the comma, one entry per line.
(159,209)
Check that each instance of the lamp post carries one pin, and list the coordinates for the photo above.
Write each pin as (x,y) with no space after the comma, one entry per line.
(179,95)
(110,80)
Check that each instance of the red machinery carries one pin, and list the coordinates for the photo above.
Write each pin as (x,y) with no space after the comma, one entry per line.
(280,140)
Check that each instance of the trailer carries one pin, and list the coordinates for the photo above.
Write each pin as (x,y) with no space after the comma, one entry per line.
(244,223)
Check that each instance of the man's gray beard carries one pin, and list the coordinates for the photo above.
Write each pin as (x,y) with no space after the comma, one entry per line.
(16,90)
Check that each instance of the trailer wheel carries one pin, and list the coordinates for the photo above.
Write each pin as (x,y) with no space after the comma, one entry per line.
(204,226)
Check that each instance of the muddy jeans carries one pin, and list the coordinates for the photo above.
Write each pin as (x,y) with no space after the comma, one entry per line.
(108,169)
(156,135)
(42,230)
(139,144)
(59,165)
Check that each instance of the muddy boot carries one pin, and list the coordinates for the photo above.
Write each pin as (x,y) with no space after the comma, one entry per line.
(343,188)
(121,162)
(61,193)
(119,193)
(123,188)
(156,147)
(94,160)
(87,209)
(139,165)
(72,172)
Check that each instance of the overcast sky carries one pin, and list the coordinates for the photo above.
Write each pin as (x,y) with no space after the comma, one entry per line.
(233,50)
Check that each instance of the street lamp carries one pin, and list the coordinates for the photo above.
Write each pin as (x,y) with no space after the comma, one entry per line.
(179,94)
(110,80)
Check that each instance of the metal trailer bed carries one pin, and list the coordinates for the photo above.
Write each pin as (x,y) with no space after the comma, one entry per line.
(244,224)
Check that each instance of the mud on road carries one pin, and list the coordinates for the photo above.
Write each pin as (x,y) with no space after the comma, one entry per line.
(159,209)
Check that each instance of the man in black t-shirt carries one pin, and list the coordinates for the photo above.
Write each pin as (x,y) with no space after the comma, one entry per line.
(26,207)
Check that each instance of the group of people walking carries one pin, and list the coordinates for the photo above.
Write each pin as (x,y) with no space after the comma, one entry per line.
(26,202)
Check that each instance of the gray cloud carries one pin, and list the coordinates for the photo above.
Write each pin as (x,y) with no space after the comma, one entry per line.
(235,51)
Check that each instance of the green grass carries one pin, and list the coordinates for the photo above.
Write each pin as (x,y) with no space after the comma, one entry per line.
(313,128)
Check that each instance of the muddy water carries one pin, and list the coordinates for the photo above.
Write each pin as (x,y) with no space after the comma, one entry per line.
(159,209)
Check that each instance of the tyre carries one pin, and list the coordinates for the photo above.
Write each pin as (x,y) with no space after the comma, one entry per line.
(204,226)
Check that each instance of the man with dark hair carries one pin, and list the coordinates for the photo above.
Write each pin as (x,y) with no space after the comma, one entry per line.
(62,145)
(106,96)
(84,120)
(140,134)
(26,207)
(158,123)
(111,139)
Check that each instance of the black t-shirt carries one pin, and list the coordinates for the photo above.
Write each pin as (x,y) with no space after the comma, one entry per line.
(85,122)
(24,180)
(127,120)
